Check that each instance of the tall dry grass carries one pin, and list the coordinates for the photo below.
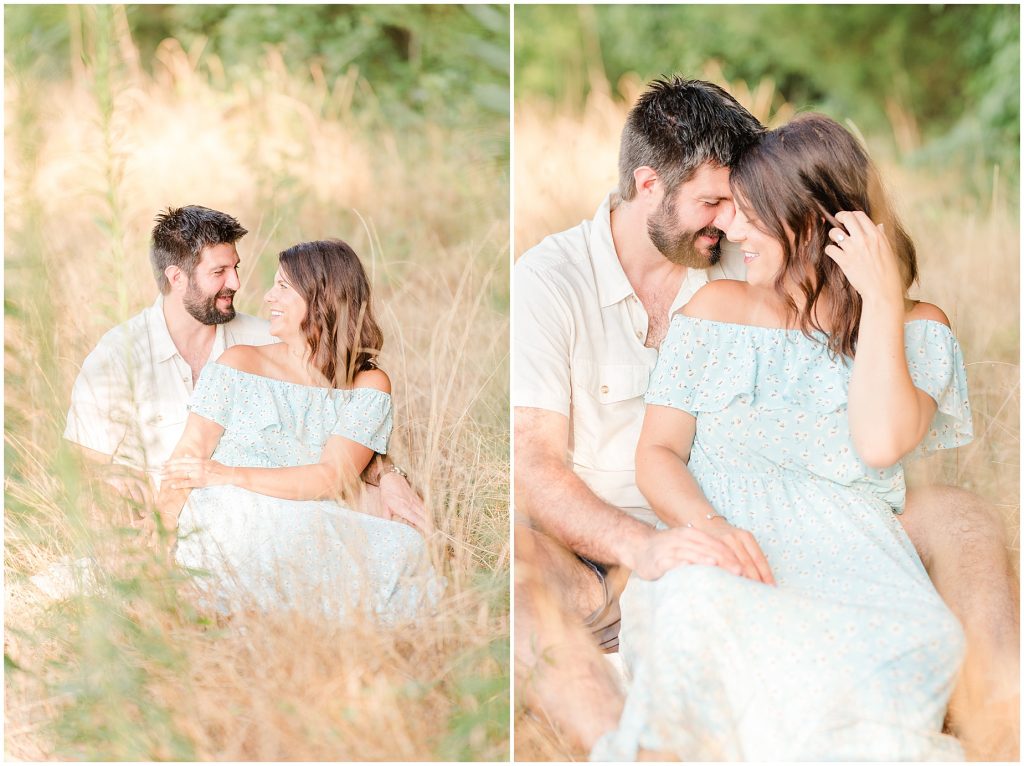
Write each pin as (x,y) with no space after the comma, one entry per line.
(968,246)
(130,668)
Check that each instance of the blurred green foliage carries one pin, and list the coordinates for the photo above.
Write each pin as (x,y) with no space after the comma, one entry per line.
(446,64)
(953,70)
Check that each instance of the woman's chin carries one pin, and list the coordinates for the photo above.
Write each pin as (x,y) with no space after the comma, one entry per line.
(276,330)
(758,276)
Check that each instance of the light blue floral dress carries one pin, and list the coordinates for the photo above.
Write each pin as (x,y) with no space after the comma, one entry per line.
(314,556)
(853,656)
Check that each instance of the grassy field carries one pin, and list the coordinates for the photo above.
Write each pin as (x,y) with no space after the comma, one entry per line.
(130,669)
(968,249)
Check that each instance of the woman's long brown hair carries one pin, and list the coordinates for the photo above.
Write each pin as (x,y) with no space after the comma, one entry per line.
(795,180)
(343,337)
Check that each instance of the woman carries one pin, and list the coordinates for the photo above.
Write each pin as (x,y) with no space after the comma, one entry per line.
(277,433)
(777,416)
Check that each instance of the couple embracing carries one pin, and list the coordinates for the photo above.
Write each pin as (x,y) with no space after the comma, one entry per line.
(258,445)
(708,466)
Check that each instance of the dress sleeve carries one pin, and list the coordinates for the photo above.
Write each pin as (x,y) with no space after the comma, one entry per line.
(365,417)
(936,366)
(215,393)
(702,367)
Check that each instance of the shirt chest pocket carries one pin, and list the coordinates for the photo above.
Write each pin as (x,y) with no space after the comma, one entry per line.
(155,412)
(611,383)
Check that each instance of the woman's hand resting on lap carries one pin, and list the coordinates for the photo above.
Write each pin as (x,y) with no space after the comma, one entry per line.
(742,545)
(722,545)
(193,472)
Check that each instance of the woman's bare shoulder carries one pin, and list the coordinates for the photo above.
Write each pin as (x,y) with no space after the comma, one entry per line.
(922,310)
(373,378)
(252,359)
(720,300)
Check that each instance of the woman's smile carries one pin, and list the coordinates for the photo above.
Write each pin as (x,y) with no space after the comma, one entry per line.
(287,308)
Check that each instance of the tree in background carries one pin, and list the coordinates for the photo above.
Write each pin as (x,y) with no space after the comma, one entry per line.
(440,63)
(940,79)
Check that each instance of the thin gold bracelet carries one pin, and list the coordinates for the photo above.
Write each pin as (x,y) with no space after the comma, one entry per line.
(709,517)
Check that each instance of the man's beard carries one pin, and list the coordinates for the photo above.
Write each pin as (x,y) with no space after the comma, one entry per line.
(203,307)
(680,247)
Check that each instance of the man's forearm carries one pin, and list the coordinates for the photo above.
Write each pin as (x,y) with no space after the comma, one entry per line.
(169,504)
(128,482)
(557,501)
(377,467)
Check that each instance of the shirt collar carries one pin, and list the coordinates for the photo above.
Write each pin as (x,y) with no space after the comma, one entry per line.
(695,279)
(612,284)
(161,343)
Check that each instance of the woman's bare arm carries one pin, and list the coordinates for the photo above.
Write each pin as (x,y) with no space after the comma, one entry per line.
(197,443)
(888,415)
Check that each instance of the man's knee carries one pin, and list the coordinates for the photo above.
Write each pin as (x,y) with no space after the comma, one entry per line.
(941,518)
(550,580)
(538,562)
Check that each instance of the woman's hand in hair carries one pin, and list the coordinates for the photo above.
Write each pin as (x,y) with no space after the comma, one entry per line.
(862,251)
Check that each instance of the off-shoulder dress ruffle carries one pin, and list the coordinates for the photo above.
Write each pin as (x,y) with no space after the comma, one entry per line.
(853,655)
(315,556)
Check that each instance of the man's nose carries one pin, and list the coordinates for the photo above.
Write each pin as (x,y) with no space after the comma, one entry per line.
(233,283)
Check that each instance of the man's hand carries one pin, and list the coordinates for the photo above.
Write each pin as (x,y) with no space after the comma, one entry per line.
(400,502)
(160,532)
(129,483)
(138,489)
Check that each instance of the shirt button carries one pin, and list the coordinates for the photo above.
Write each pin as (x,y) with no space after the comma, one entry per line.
(604,389)
(639,335)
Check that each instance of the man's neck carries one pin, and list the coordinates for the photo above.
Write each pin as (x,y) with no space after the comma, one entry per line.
(646,268)
(192,338)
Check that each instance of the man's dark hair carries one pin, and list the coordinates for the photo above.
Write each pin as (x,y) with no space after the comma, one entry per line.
(676,126)
(181,234)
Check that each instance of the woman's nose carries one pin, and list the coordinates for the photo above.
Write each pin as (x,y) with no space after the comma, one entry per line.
(726,215)
(735,232)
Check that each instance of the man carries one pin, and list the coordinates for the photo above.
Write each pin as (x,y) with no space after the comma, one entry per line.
(591,306)
(129,403)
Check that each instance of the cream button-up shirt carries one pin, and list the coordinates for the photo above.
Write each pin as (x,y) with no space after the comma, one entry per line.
(578,349)
(130,399)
